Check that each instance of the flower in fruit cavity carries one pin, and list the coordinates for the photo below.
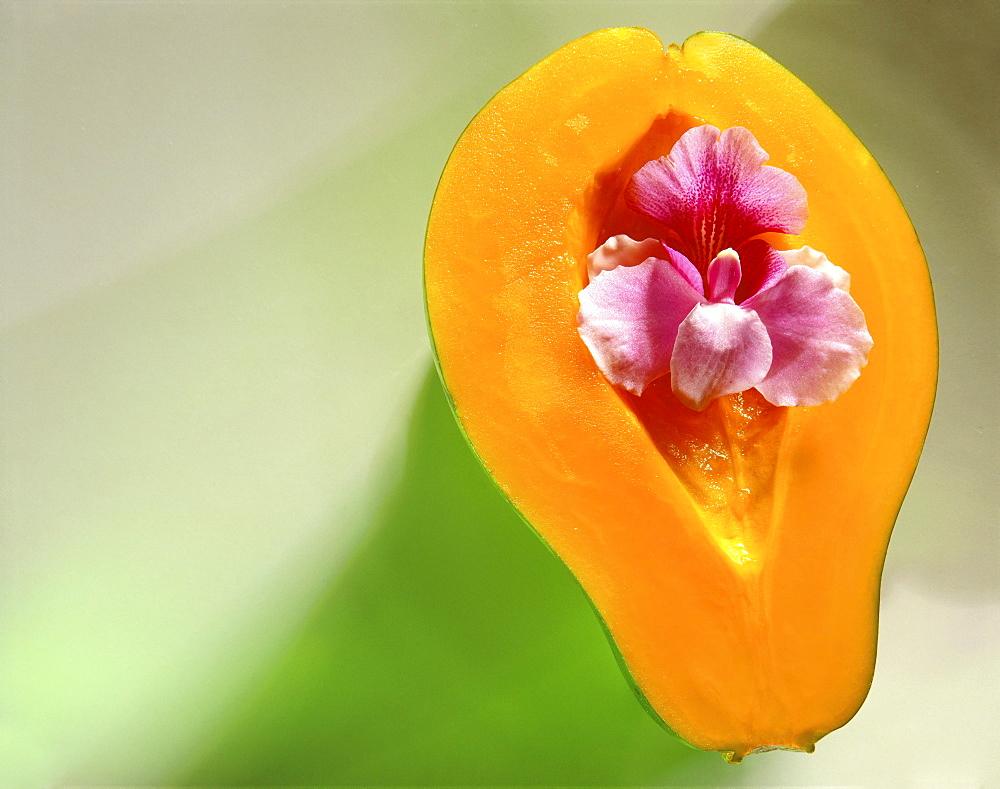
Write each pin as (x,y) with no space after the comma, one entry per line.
(711,303)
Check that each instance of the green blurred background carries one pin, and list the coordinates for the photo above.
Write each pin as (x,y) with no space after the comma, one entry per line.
(242,539)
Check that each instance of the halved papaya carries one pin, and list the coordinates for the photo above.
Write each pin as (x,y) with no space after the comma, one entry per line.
(734,555)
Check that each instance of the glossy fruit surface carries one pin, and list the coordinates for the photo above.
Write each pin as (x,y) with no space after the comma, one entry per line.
(735,554)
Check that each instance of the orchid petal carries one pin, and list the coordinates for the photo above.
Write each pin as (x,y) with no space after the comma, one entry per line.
(629,317)
(714,191)
(818,336)
(720,349)
(685,268)
(761,265)
(621,251)
(807,256)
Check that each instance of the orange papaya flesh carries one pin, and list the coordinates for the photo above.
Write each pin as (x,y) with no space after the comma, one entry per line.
(734,555)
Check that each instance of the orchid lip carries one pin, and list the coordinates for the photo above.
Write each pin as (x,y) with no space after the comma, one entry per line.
(715,192)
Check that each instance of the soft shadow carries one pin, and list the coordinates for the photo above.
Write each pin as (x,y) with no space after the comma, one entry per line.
(455,649)
(917,84)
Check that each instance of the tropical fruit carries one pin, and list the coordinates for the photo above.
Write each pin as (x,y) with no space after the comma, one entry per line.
(731,540)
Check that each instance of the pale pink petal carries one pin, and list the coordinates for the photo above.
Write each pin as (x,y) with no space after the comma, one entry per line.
(818,335)
(720,349)
(724,274)
(621,251)
(629,317)
(714,192)
(807,256)
(761,265)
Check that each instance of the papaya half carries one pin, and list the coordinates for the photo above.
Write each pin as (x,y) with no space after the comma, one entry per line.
(734,554)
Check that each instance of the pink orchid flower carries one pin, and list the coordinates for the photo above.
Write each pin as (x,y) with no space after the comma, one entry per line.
(712,304)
